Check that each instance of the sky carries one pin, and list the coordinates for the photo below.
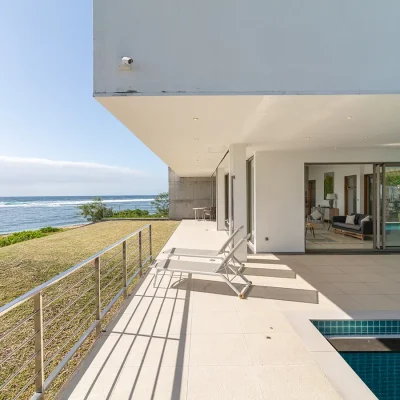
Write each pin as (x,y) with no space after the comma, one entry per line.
(55,138)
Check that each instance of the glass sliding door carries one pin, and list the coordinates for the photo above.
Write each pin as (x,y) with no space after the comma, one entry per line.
(387,206)
(377,206)
(368,194)
(231,204)
(250,198)
(391,206)
(226,200)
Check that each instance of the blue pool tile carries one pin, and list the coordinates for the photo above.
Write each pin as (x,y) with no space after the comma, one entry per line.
(380,371)
(357,327)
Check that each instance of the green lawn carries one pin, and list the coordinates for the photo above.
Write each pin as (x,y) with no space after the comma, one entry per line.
(25,265)
(28,264)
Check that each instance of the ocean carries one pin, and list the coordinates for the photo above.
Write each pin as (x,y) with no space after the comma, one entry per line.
(26,213)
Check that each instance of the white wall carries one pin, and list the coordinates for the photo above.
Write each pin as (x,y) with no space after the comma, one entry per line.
(261,46)
(279,186)
(279,192)
(316,172)
(220,199)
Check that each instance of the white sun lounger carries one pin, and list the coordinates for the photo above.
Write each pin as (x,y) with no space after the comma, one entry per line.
(221,253)
(220,269)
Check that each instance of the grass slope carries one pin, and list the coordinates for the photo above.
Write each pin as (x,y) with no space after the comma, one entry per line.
(23,236)
(26,265)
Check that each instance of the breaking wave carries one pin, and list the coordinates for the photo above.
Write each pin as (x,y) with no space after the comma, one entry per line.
(62,203)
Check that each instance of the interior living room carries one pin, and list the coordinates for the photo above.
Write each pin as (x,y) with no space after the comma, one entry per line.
(339,207)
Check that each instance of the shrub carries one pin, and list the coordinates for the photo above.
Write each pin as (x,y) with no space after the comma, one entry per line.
(131,214)
(96,210)
(49,229)
(161,204)
(27,235)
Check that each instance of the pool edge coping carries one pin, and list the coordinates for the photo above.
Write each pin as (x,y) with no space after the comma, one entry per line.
(342,377)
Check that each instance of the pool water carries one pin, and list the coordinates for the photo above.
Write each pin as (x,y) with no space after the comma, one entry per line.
(392,226)
(379,370)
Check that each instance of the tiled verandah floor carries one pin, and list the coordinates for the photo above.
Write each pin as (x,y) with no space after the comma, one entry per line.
(192,338)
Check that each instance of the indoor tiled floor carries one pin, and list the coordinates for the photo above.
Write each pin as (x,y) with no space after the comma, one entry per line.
(327,240)
(192,338)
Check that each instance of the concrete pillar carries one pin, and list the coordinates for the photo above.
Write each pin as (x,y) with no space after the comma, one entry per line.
(220,199)
(237,195)
(186,193)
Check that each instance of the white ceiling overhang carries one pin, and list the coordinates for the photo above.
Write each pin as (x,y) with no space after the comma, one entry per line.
(192,133)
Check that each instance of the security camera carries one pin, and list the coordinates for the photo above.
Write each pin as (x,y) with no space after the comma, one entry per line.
(127,60)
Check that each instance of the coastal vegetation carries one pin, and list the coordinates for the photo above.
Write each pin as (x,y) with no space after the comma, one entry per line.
(26,265)
(96,210)
(132,214)
(27,235)
(161,203)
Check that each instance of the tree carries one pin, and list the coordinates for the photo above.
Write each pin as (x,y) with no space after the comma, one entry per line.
(161,204)
(96,210)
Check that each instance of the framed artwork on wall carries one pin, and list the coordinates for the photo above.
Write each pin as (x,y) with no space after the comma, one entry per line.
(329,183)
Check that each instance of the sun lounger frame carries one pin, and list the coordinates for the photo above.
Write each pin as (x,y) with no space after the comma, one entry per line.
(218,254)
(212,269)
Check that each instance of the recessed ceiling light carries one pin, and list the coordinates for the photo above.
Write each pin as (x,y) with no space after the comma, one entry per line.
(349,117)
(195,119)
(334,148)
(365,137)
(391,144)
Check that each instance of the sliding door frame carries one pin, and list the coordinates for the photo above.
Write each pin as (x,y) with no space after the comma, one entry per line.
(383,177)
(378,209)
(385,246)
(376,206)
(250,197)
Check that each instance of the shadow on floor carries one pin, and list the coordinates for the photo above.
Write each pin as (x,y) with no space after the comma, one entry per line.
(114,373)
(270,273)
(261,292)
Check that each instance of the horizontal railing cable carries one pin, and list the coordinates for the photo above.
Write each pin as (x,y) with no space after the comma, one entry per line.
(105,262)
(18,348)
(30,382)
(111,281)
(58,315)
(51,282)
(62,329)
(5,384)
(69,289)
(21,322)
(112,270)
(48,362)
(48,344)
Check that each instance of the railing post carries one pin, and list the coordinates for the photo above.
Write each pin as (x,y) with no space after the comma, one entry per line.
(150,244)
(38,321)
(140,253)
(124,271)
(98,295)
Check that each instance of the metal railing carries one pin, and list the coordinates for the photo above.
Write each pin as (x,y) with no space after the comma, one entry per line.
(41,331)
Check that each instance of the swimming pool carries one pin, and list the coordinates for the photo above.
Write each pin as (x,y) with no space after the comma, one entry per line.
(380,370)
(392,226)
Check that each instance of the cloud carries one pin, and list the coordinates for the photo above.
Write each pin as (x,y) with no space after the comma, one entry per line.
(39,176)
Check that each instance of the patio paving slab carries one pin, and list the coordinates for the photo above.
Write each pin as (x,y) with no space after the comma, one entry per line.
(192,338)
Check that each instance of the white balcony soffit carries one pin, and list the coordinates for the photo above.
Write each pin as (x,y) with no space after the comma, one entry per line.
(192,133)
